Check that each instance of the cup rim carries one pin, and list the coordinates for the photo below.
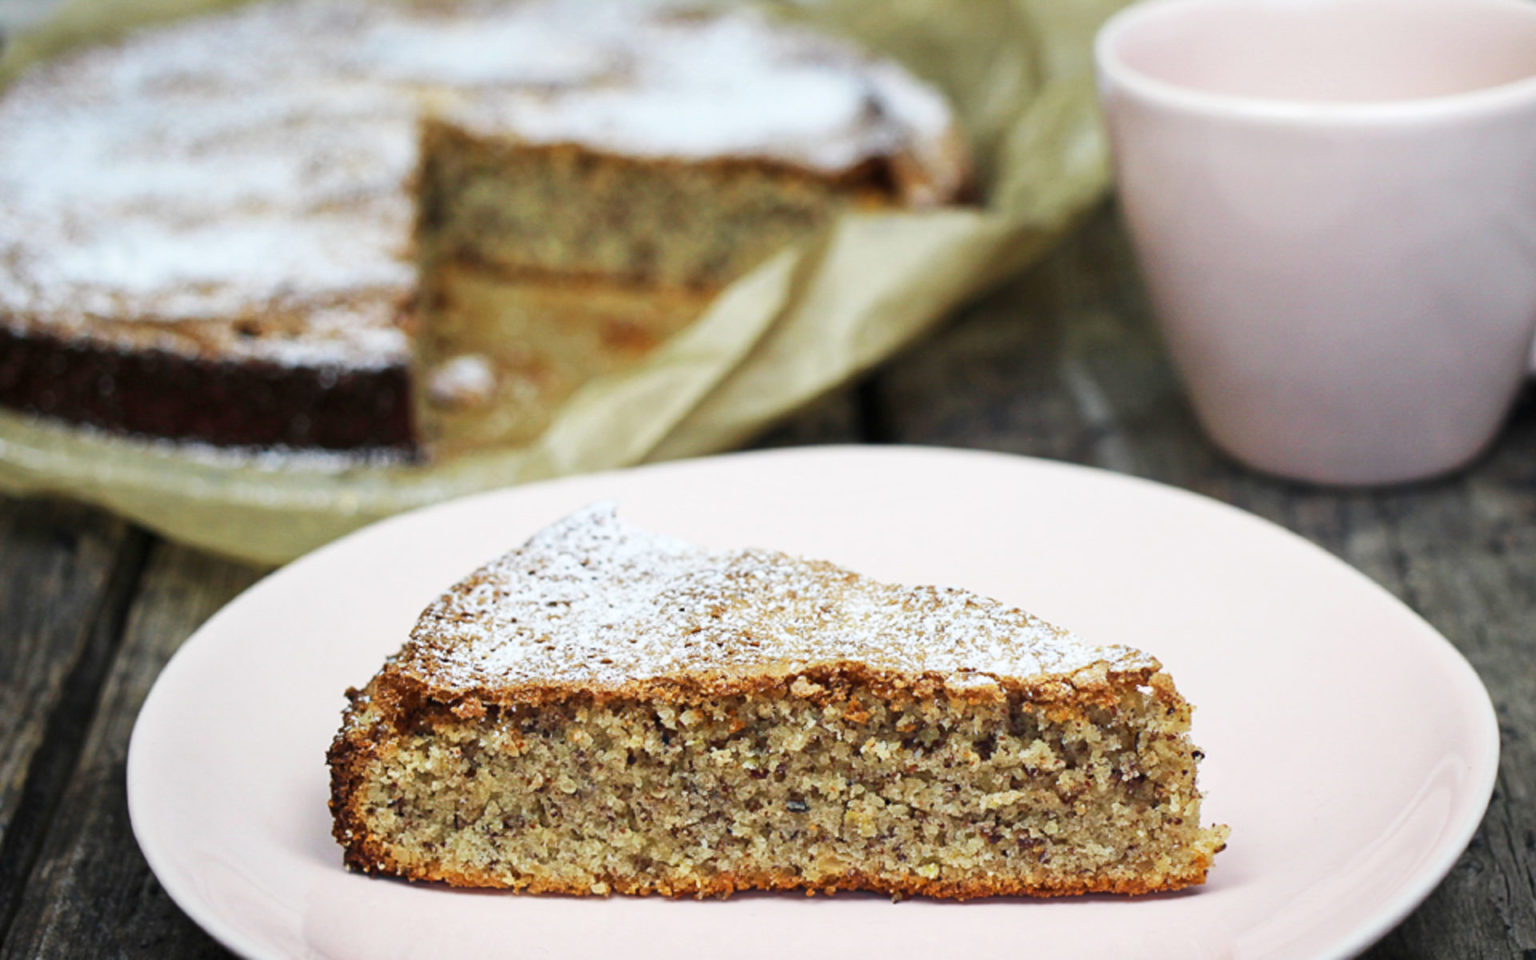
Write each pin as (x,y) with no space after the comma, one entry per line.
(1113,69)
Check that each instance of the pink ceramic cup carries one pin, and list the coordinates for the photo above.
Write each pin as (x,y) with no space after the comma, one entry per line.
(1333,203)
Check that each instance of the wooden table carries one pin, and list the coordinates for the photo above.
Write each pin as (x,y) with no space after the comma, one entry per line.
(1062,363)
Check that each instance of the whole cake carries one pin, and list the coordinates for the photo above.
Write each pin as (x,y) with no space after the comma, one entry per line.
(398,226)
(608,710)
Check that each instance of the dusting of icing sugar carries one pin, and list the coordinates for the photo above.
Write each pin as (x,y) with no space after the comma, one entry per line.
(720,87)
(139,258)
(595,602)
(468,380)
(529,48)
(216,166)
(212,169)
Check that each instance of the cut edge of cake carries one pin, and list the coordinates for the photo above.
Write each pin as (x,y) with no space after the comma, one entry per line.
(1038,739)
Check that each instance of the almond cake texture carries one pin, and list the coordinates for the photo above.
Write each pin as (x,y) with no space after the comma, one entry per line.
(608,710)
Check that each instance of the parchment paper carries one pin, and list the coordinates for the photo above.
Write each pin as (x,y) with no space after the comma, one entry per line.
(1020,75)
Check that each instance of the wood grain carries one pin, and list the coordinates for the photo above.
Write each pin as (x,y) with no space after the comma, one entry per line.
(66,576)
(91,892)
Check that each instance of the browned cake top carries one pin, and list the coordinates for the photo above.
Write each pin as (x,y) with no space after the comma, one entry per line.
(252,166)
(592,603)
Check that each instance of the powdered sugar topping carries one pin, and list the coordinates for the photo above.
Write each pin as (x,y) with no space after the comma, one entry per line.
(467,380)
(719,87)
(597,603)
(214,167)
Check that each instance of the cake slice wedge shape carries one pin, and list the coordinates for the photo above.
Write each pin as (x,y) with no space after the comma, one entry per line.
(608,710)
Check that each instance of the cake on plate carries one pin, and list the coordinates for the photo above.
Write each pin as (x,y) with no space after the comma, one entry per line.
(417,226)
(607,710)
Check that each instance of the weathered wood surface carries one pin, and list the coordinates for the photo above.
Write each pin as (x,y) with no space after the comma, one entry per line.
(1062,363)
(66,576)
(90,891)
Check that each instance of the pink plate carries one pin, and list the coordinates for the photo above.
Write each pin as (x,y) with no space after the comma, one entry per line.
(1350,747)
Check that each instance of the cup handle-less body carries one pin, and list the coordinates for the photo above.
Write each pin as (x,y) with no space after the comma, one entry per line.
(1349,294)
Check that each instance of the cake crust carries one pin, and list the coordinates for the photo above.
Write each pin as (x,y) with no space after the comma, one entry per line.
(627,645)
(148,389)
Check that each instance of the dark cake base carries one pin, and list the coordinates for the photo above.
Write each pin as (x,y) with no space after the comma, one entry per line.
(224,403)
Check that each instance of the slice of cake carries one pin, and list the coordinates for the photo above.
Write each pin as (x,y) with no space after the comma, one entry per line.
(608,710)
(240,229)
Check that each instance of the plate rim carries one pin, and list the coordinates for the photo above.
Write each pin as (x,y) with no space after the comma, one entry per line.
(1364,933)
